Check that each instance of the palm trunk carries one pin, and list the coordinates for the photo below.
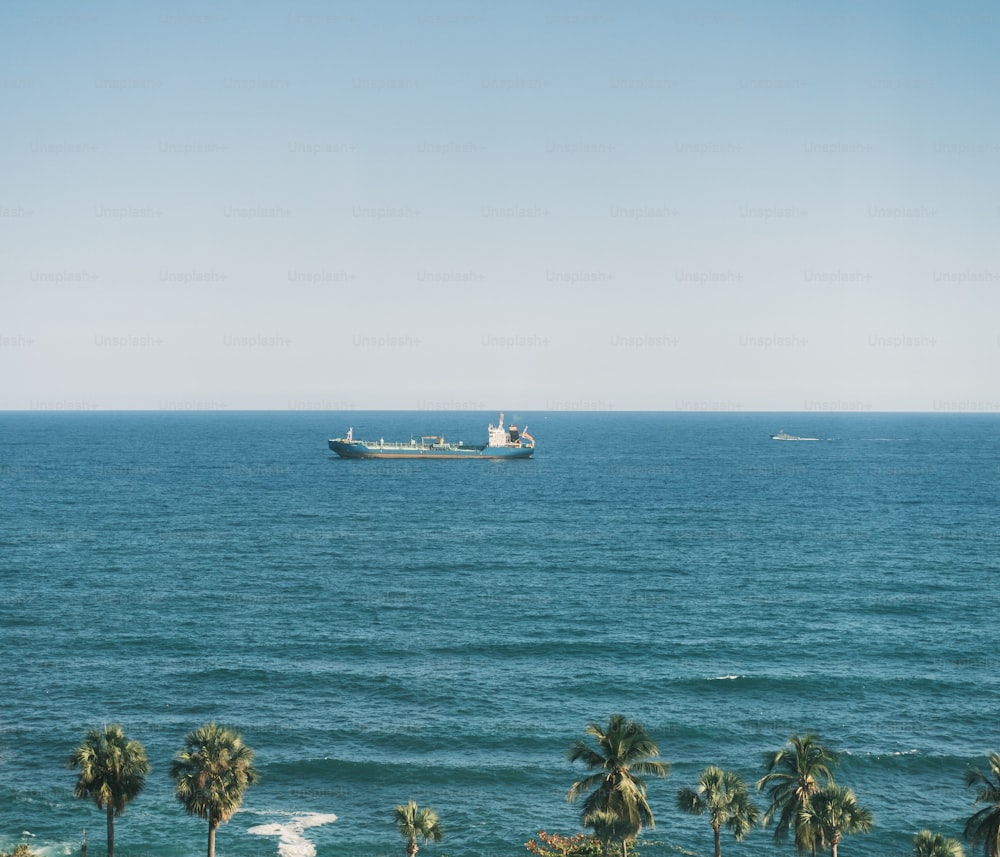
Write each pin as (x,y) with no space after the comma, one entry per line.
(833,847)
(624,848)
(718,840)
(111,831)
(212,825)
(411,848)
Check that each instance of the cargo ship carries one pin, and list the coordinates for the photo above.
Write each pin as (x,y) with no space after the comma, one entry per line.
(502,443)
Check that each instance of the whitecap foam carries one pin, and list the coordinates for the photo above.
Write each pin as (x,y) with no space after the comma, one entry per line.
(291,842)
(57,848)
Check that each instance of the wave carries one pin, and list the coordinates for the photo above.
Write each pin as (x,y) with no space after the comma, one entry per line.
(49,849)
(379,620)
(322,780)
(291,839)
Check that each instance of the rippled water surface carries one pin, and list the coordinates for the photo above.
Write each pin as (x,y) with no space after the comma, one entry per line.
(441,631)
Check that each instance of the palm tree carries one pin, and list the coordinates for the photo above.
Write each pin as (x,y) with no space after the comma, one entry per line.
(612,831)
(984,825)
(792,778)
(112,772)
(726,799)
(927,844)
(833,813)
(617,808)
(211,773)
(415,823)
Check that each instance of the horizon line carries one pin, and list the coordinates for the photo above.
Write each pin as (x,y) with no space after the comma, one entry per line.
(236,410)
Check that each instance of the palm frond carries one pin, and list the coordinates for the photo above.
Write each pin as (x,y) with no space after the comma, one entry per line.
(112,768)
(583,752)
(212,771)
(928,844)
(620,754)
(688,800)
(830,815)
(793,774)
(581,786)
(725,798)
(415,823)
(983,827)
(651,768)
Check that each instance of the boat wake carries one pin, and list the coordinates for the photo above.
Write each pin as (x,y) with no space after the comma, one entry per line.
(291,841)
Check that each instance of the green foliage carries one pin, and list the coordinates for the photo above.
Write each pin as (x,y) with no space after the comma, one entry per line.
(112,772)
(211,773)
(112,768)
(792,777)
(831,814)
(554,845)
(415,823)
(622,754)
(927,844)
(725,798)
(983,827)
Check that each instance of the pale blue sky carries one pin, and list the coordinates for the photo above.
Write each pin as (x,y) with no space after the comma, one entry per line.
(761,206)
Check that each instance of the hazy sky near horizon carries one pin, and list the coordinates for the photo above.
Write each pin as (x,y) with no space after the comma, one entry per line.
(522,205)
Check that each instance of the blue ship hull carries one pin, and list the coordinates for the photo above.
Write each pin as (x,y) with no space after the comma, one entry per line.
(503,443)
(368,449)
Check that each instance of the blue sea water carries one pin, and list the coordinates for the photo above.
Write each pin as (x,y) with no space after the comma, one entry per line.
(441,631)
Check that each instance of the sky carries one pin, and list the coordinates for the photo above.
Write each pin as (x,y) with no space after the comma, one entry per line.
(768,206)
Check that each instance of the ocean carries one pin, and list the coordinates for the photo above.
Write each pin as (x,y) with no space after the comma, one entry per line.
(441,631)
